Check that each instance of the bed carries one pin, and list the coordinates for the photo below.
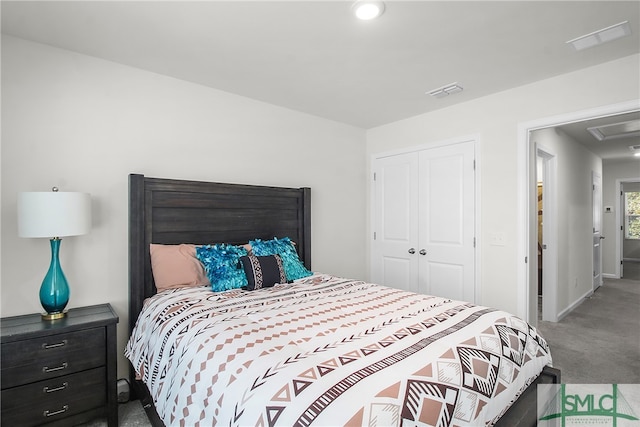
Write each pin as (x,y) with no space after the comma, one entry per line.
(320,350)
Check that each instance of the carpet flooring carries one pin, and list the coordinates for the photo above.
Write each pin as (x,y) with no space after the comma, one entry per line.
(599,341)
(130,414)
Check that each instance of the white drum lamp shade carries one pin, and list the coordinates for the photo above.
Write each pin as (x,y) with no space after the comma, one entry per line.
(53,214)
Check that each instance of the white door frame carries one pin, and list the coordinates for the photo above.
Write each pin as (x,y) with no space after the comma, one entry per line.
(549,236)
(619,229)
(475,138)
(596,202)
(525,177)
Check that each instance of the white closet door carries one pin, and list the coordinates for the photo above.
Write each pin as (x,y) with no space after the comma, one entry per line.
(396,222)
(447,212)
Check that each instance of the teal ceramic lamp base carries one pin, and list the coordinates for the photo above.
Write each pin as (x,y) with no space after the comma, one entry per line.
(54,292)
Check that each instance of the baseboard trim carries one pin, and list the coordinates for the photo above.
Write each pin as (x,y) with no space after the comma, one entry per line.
(610,276)
(631,259)
(574,305)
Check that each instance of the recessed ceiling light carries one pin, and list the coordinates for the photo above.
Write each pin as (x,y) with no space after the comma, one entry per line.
(446,90)
(367,10)
(604,35)
(616,130)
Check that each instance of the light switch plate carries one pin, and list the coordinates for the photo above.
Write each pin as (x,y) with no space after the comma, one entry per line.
(497,239)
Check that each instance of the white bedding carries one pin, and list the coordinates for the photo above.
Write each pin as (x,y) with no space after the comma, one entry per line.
(329,351)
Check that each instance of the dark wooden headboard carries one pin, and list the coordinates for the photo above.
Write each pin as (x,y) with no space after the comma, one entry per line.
(170,211)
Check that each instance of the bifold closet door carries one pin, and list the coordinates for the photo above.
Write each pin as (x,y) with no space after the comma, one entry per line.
(395,245)
(446,221)
(423,221)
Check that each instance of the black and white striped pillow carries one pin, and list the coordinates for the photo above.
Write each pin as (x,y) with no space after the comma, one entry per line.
(263,271)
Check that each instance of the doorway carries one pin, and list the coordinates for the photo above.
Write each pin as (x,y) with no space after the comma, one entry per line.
(547,241)
(527,184)
(627,243)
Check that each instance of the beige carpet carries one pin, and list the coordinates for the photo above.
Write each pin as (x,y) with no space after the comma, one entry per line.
(599,341)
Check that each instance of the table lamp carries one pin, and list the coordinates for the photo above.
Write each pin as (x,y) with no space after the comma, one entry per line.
(54,214)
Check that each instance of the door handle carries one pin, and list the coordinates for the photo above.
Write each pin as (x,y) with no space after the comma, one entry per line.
(601,237)
(412,251)
(423,252)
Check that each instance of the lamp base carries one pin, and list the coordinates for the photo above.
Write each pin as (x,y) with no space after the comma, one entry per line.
(54,316)
(54,292)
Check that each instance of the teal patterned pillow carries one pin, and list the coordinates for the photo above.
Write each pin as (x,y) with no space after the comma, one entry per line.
(293,267)
(222,264)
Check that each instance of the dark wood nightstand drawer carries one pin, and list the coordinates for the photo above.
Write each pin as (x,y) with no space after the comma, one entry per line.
(52,356)
(59,373)
(50,400)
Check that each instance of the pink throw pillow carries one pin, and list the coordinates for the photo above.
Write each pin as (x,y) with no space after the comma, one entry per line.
(176,266)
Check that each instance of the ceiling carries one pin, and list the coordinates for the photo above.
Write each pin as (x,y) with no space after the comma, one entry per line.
(317,58)
(608,149)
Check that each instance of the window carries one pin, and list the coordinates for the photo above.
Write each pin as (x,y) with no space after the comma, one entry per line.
(632,215)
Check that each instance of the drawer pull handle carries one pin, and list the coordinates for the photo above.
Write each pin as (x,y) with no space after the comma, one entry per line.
(60,344)
(51,390)
(47,369)
(48,413)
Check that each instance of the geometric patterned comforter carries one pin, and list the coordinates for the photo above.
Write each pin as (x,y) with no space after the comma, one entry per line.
(329,351)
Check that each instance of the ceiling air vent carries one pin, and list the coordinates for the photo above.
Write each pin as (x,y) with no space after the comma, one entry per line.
(447,90)
(616,130)
(604,35)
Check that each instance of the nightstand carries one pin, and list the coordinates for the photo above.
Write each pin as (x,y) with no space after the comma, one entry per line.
(60,372)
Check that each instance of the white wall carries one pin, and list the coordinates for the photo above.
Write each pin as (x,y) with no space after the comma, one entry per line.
(495,118)
(575,165)
(84,124)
